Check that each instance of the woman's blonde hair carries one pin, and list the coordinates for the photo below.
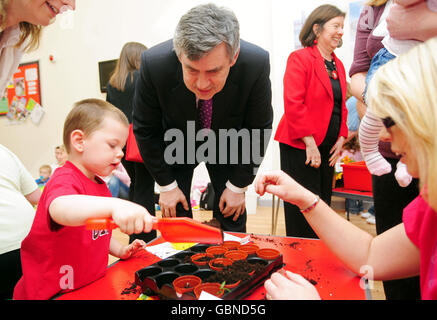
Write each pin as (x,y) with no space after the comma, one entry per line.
(29,31)
(376,3)
(404,90)
(129,61)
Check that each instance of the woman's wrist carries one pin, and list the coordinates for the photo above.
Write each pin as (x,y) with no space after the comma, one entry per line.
(309,141)
(306,200)
(311,206)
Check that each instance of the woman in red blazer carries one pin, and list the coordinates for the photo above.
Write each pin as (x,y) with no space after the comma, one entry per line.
(313,128)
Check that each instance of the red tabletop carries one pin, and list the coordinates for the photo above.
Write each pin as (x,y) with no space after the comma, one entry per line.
(308,257)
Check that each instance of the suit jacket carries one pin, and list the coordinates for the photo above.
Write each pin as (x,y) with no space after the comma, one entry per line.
(308,98)
(163,102)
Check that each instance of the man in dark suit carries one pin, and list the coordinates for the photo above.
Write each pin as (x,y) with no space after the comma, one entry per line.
(210,88)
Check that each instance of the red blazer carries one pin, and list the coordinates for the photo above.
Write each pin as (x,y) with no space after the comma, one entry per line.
(308,98)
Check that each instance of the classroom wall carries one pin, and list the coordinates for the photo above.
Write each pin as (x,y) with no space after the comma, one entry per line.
(98,30)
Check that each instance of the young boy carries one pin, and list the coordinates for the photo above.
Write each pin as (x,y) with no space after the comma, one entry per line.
(61,157)
(59,254)
(45,171)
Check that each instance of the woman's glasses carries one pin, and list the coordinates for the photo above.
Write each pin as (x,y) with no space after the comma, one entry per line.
(388,122)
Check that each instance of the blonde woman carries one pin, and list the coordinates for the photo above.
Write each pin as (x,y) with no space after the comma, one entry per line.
(20,29)
(402,94)
(388,196)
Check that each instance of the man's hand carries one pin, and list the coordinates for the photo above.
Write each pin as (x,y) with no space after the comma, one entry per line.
(232,203)
(168,201)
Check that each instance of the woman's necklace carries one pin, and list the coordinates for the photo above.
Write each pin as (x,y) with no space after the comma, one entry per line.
(332,71)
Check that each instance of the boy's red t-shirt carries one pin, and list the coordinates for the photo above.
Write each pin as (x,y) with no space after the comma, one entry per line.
(420,222)
(58,258)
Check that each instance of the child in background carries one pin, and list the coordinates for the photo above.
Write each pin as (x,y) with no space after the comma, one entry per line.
(61,156)
(118,182)
(59,254)
(45,171)
(351,150)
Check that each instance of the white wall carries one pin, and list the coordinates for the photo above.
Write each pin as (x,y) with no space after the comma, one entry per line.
(100,29)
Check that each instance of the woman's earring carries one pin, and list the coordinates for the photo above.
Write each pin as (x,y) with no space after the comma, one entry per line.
(315,41)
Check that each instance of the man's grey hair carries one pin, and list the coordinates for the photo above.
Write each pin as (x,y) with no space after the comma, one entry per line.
(204,27)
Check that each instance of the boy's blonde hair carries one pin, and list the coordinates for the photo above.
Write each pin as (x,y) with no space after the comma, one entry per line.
(87,115)
(60,147)
(404,90)
(46,166)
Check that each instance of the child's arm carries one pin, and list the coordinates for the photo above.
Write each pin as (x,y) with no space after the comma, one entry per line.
(125,252)
(370,127)
(390,255)
(74,210)
(369,136)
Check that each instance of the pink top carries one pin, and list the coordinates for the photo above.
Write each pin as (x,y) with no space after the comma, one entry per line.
(57,258)
(420,222)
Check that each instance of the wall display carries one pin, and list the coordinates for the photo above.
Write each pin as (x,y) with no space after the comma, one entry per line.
(23,95)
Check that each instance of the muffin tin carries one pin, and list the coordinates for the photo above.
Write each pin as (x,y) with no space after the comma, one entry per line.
(157,279)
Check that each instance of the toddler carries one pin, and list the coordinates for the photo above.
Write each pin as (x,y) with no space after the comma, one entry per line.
(59,254)
(45,171)
(370,124)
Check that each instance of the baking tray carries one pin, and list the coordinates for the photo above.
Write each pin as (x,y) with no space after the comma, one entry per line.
(157,278)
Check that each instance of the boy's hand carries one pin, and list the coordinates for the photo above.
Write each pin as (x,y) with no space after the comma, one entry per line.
(132,218)
(127,251)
